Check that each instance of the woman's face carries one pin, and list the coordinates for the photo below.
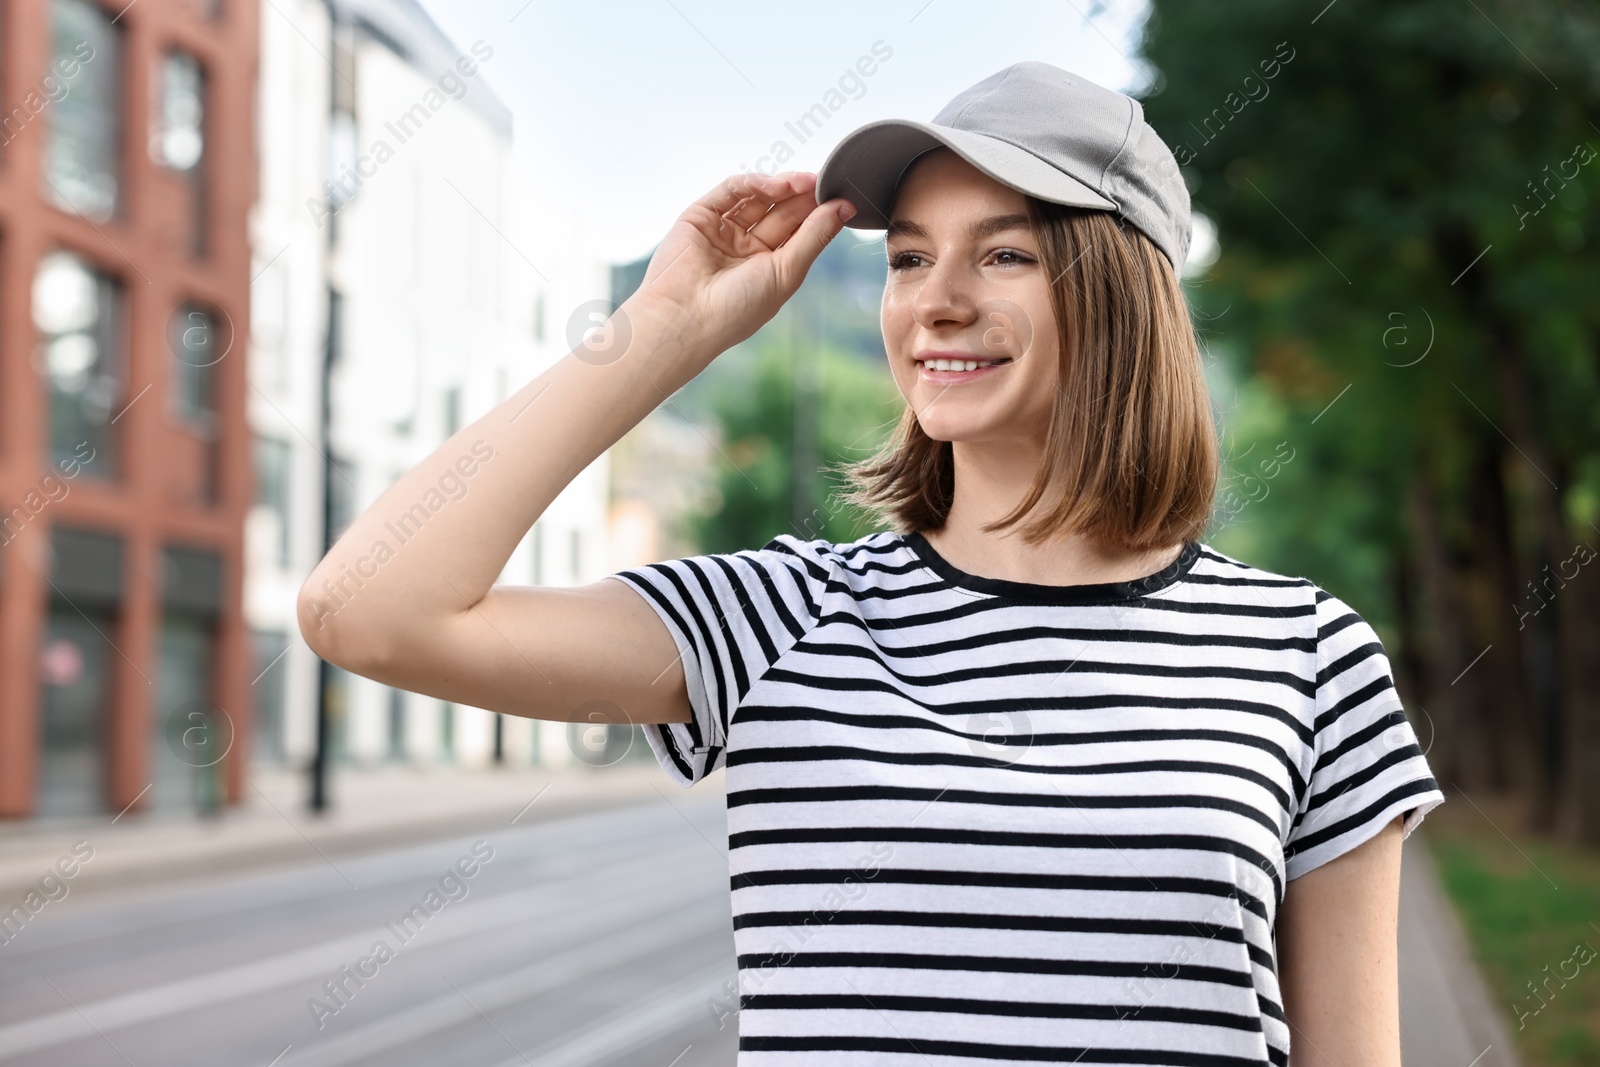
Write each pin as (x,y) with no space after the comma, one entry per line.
(966,284)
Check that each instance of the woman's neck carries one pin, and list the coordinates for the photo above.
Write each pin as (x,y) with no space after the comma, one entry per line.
(990,480)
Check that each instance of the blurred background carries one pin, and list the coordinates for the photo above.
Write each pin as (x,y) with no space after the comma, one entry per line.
(257,257)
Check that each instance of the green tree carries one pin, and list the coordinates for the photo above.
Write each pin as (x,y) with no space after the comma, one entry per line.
(772,482)
(1405,195)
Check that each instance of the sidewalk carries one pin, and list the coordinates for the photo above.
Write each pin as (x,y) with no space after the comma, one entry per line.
(1447,1016)
(371,810)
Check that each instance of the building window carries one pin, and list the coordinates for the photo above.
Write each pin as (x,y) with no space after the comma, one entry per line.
(75,677)
(197,342)
(272,490)
(177,137)
(76,663)
(77,311)
(269,316)
(452,410)
(447,732)
(271,692)
(80,166)
(189,733)
(397,725)
(341,476)
(177,140)
(192,340)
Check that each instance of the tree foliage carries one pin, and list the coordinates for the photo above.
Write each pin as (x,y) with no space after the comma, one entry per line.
(768,485)
(1406,200)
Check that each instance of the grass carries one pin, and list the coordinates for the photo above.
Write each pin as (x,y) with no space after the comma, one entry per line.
(1531,910)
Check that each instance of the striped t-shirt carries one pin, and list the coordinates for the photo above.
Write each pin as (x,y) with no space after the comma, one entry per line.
(977,820)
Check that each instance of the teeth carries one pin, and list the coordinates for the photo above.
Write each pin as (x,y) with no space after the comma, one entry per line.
(959,364)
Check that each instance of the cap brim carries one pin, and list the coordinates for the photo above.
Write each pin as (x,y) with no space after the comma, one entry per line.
(867,165)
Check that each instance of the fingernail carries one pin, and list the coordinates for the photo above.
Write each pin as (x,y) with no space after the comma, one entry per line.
(847,211)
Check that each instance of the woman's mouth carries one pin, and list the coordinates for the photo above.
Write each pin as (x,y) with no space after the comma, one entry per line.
(955,371)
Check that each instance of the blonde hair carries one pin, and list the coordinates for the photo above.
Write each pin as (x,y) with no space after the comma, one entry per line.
(1131,456)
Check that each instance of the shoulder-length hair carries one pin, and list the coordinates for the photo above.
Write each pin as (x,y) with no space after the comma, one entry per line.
(1131,454)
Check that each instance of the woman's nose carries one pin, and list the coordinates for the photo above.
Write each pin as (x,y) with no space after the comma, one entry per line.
(944,297)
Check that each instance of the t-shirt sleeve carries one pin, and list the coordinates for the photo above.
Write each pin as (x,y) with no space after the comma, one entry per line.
(1368,765)
(732,616)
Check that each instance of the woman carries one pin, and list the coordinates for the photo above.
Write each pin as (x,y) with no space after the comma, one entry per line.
(1034,775)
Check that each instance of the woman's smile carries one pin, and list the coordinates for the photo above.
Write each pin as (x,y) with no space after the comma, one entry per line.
(954,368)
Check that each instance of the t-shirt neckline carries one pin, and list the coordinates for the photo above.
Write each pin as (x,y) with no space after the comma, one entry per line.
(1089,593)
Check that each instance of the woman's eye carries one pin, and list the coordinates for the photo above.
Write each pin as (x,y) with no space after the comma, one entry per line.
(904,261)
(1016,258)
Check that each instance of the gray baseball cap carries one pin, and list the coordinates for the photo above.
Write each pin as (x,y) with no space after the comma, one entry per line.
(1039,129)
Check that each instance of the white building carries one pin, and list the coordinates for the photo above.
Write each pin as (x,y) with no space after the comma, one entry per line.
(387,226)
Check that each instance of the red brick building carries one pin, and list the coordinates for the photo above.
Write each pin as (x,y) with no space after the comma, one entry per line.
(127,171)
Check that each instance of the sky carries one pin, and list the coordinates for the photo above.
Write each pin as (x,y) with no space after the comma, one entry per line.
(626,112)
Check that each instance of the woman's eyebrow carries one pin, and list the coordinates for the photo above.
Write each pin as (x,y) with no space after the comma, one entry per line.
(982,228)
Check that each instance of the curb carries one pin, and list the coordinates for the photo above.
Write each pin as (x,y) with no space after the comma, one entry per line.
(258,840)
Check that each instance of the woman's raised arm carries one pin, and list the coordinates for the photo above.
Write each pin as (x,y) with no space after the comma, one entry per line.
(407,597)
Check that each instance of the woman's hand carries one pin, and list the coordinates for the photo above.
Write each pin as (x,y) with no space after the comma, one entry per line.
(733,258)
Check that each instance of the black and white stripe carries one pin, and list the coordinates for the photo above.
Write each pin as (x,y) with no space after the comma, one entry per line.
(973,819)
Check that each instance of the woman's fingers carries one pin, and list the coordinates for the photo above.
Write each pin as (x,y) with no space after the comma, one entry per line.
(777,214)
(783,219)
(820,226)
(744,199)
(747,214)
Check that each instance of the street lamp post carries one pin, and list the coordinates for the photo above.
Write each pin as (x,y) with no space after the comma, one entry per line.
(319,760)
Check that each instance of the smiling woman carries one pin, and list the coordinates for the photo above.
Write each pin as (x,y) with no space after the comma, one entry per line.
(1032,773)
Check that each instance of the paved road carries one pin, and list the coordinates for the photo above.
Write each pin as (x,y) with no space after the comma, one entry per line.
(601,939)
(571,945)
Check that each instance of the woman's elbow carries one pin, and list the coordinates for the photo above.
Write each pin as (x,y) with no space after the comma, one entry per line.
(336,635)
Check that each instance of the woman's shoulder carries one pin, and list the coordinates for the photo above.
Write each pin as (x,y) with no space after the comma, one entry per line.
(1223,569)
(1320,614)
(816,560)
(878,542)
(1232,585)
(859,566)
